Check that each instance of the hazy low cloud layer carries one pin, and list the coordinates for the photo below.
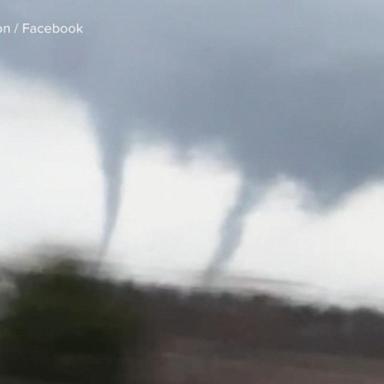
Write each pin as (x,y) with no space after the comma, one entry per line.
(292,88)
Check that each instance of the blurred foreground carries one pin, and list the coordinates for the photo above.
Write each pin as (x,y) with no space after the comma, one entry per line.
(63,322)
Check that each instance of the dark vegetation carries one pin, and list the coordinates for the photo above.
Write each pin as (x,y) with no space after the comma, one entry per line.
(63,324)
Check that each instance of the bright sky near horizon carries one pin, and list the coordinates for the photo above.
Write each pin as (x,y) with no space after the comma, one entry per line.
(52,191)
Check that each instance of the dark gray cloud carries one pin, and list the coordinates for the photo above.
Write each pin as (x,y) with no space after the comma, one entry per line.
(290,88)
(293,88)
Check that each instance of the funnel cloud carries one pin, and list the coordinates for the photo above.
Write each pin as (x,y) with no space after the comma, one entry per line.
(113,151)
(232,230)
(287,89)
(113,175)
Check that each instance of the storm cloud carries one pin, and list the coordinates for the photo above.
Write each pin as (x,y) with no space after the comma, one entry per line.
(293,89)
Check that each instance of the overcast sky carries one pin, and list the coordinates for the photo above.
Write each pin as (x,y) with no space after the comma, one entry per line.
(202,97)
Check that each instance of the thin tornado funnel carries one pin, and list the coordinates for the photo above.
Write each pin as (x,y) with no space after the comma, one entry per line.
(113,166)
(112,205)
(232,231)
